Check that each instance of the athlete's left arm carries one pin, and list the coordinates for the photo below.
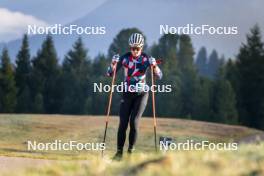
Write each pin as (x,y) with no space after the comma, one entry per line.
(156,69)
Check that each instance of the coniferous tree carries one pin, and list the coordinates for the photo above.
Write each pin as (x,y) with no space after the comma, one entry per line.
(202,102)
(201,62)
(45,77)
(166,49)
(223,100)
(7,84)
(1,95)
(232,75)
(23,78)
(100,64)
(250,67)
(213,64)
(76,80)
(188,76)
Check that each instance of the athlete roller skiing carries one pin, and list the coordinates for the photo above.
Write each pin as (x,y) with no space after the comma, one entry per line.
(134,100)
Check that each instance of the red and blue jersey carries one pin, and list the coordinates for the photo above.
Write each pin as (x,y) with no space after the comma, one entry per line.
(134,69)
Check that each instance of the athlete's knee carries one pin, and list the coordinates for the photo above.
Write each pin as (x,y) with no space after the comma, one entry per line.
(133,126)
(122,126)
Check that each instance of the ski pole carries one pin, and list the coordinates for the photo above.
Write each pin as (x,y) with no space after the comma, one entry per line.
(153,108)
(109,104)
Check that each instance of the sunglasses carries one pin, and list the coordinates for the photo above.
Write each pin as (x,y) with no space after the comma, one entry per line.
(135,48)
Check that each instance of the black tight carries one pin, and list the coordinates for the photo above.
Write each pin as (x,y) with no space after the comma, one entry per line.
(131,109)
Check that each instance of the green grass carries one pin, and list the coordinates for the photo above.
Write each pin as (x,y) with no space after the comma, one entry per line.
(15,130)
(247,161)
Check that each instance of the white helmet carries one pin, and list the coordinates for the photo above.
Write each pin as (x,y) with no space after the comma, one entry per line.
(136,40)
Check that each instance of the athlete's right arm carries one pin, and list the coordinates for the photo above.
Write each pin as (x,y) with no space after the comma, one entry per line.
(115,64)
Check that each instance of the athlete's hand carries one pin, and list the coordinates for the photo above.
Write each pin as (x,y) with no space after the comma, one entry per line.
(152,61)
(115,59)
